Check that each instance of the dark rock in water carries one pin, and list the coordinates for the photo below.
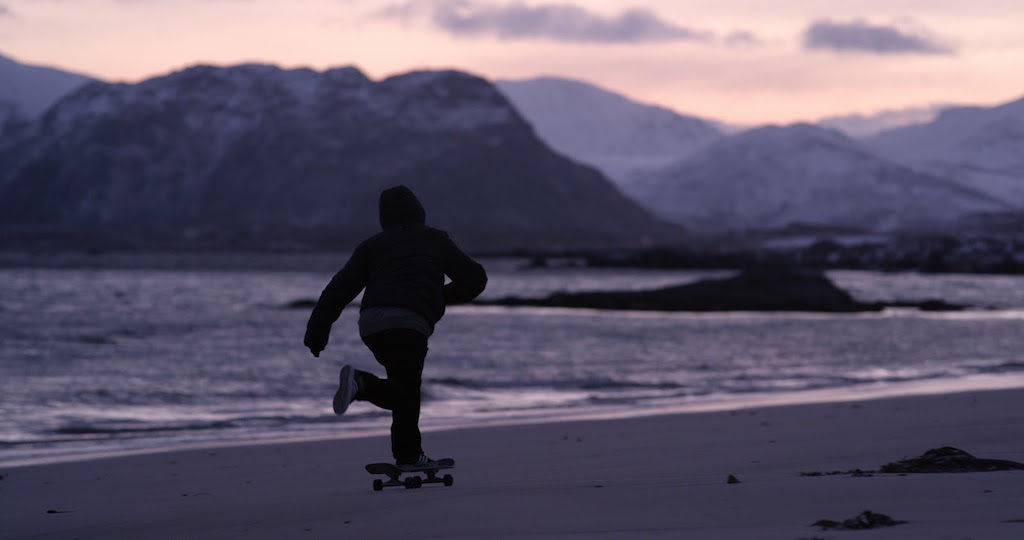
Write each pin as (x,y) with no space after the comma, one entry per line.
(302,303)
(759,289)
(865,520)
(851,472)
(949,459)
(927,305)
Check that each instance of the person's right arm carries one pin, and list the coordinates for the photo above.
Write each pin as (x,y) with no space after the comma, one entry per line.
(343,288)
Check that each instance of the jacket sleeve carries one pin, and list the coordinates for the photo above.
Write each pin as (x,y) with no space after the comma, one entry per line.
(342,289)
(468,278)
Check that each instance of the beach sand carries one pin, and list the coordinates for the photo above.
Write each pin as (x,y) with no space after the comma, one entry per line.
(650,477)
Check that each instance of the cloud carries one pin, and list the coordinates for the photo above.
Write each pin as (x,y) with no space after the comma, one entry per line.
(561,22)
(860,36)
(5,11)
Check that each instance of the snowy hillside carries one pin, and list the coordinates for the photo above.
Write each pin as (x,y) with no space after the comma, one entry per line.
(604,129)
(773,178)
(255,154)
(978,147)
(29,90)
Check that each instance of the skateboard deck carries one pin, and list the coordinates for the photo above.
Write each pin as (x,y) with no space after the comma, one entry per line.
(413,478)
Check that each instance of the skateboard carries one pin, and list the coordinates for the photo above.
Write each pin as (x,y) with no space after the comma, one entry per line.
(412,480)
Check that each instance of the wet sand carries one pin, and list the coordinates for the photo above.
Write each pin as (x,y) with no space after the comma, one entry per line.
(651,477)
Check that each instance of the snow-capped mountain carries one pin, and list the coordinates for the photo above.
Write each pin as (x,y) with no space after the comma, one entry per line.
(977,146)
(28,90)
(803,176)
(604,129)
(254,153)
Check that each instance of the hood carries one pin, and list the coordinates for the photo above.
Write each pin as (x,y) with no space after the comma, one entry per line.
(399,206)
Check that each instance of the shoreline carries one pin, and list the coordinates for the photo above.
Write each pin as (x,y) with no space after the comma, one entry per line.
(659,476)
(731,403)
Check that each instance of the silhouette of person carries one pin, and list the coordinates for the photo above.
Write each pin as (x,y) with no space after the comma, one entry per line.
(402,270)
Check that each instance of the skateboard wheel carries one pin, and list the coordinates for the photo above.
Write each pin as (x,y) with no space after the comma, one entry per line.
(378,484)
(417,481)
(410,482)
(448,480)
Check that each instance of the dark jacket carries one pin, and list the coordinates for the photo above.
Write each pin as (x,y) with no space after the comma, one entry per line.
(403,266)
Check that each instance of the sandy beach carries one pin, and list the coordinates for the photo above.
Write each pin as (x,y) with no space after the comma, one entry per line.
(658,476)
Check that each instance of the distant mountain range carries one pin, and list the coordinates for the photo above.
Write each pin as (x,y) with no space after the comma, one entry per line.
(803,178)
(619,135)
(255,155)
(967,165)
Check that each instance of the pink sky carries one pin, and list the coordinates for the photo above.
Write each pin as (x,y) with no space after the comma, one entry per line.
(741,61)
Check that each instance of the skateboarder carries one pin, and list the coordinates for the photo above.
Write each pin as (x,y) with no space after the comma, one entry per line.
(402,270)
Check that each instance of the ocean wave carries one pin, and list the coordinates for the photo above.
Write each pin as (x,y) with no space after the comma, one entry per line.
(558,384)
(144,428)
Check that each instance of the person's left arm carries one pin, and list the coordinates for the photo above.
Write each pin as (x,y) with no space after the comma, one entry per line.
(468,277)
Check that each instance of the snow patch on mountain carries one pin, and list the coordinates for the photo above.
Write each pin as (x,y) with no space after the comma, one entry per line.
(437,100)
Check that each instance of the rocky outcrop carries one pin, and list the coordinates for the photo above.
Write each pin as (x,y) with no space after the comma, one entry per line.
(865,520)
(949,459)
(751,290)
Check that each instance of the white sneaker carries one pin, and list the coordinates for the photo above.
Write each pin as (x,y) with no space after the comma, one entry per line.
(347,389)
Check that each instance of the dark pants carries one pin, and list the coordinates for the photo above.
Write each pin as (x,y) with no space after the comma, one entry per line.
(401,352)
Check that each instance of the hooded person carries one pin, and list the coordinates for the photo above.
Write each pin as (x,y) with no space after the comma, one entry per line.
(401,272)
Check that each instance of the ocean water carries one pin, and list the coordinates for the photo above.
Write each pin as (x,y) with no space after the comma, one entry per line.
(109,354)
